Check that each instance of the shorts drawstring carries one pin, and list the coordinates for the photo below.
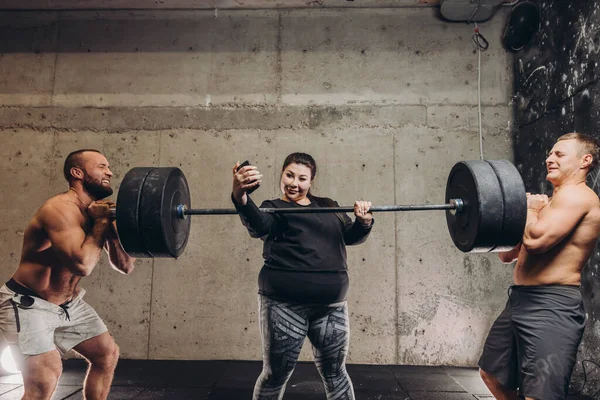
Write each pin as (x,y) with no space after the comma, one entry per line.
(65,307)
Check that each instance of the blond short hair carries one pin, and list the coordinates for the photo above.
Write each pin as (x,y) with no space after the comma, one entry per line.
(589,145)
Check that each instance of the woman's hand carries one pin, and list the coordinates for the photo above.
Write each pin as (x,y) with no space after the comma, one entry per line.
(361,210)
(245,179)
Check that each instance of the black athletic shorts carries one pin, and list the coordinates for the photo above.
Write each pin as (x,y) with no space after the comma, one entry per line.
(532,346)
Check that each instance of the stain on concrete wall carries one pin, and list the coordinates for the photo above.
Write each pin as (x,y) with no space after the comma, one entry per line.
(557,91)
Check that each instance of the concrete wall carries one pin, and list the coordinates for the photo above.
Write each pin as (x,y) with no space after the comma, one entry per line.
(556,81)
(386,101)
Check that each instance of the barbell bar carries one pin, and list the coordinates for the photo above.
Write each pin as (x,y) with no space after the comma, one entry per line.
(456,205)
(486,209)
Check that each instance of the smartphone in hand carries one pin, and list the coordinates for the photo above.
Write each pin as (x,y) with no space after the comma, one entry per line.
(242,165)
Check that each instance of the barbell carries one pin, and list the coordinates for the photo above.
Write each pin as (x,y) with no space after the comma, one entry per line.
(486,209)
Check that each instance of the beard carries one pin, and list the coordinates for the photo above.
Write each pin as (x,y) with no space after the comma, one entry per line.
(95,188)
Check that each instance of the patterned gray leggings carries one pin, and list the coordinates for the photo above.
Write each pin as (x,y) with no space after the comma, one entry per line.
(283,328)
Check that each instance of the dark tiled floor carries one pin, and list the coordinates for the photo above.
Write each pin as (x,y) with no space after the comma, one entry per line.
(232,380)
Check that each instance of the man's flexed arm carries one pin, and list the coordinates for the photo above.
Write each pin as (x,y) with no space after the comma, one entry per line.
(545,229)
(79,251)
(117,257)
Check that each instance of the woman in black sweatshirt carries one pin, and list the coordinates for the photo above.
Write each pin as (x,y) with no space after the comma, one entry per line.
(304,280)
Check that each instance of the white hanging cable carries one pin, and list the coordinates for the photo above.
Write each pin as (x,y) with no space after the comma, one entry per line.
(479,102)
(481,44)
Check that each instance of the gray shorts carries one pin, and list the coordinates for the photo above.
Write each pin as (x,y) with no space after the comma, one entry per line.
(532,346)
(34,326)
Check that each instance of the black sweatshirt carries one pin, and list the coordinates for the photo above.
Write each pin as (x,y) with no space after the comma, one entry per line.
(305,254)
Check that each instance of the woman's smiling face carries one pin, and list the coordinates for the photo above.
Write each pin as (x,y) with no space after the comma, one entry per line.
(295,182)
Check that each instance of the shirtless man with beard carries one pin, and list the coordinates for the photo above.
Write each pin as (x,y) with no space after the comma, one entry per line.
(42,312)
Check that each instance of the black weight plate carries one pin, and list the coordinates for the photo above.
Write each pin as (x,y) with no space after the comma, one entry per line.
(478,227)
(127,213)
(164,233)
(515,204)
